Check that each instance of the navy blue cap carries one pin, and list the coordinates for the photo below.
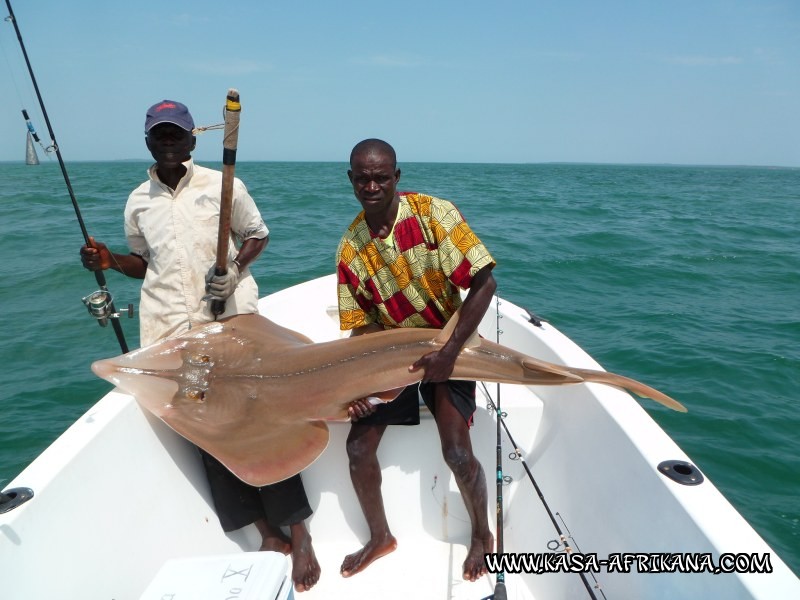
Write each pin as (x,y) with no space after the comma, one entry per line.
(168,111)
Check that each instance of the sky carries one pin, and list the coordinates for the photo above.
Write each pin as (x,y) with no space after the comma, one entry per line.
(640,81)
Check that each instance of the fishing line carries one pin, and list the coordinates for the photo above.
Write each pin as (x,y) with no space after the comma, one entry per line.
(28,121)
(575,542)
(100,303)
(517,455)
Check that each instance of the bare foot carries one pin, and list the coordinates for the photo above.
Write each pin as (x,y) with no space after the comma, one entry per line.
(272,538)
(305,568)
(474,565)
(374,549)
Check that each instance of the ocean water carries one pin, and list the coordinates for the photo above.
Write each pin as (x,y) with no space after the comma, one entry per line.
(687,278)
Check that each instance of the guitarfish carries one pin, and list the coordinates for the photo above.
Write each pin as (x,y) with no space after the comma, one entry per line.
(257,395)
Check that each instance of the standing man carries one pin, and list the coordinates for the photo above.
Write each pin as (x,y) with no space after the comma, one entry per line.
(172,225)
(401,264)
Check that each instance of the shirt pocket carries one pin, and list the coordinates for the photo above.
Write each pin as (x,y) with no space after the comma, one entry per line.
(204,227)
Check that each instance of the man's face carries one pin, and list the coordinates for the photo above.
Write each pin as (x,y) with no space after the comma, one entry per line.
(374,177)
(170,145)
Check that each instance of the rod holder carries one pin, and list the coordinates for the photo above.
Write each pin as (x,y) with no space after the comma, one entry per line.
(11,499)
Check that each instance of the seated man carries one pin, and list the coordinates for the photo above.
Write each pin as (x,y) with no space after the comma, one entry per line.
(401,264)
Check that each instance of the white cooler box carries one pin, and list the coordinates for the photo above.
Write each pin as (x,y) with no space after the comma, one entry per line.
(242,576)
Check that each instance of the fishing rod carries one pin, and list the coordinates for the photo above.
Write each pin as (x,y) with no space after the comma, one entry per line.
(230,141)
(99,303)
(32,132)
(500,578)
(517,455)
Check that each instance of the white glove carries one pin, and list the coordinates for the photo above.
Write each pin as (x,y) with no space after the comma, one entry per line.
(221,287)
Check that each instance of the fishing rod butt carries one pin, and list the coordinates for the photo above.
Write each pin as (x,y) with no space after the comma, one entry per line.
(500,592)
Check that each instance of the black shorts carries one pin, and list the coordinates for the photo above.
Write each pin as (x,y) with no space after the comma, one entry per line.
(239,504)
(404,410)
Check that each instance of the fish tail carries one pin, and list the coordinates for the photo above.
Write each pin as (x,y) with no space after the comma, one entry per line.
(636,387)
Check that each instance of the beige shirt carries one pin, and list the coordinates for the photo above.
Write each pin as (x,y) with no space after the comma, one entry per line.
(175,232)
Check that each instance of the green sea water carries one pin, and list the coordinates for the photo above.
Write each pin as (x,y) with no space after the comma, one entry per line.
(687,278)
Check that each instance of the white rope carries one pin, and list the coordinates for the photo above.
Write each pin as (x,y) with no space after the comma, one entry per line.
(205,128)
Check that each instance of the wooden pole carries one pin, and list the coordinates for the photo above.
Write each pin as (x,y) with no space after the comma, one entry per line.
(230,141)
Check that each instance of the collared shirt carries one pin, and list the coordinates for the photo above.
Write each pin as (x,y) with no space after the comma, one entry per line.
(411,278)
(175,232)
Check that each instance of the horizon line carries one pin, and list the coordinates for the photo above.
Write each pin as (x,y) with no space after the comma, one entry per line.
(442,162)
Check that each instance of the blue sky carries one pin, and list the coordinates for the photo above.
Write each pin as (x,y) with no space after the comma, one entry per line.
(679,81)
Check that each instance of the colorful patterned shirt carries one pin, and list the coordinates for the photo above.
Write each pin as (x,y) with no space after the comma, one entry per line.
(411,278)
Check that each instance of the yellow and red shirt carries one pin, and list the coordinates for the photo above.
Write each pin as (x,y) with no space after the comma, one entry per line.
(411,278)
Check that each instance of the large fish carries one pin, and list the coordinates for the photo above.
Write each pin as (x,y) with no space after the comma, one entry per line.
(257,395)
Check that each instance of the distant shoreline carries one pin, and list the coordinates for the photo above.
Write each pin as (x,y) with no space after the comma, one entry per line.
(411,162)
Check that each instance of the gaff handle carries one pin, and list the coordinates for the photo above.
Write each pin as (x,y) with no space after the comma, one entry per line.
(230,141)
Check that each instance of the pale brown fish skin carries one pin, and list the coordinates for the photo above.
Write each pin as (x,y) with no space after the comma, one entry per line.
(256,395)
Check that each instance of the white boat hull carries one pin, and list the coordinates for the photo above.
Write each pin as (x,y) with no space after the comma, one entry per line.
(119,494)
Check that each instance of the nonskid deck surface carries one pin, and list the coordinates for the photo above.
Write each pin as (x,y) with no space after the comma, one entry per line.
(417,569)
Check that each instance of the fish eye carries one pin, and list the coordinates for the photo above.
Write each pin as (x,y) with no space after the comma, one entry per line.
(196,395)
(199,360)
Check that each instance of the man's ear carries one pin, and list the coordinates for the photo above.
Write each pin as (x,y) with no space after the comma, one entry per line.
(194,142)
(350,175)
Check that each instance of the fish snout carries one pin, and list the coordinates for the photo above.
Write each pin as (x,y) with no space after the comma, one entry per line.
(150,389)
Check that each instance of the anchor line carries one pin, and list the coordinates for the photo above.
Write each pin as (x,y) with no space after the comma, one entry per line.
(99,275)
(517,455)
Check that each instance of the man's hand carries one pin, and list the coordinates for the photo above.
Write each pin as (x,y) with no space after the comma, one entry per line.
(438,366)
(221,287)
(95,256)
(360,408)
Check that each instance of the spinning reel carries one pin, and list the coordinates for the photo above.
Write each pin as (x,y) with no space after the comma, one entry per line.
(101,306)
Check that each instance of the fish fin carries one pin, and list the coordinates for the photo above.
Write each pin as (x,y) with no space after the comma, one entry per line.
(631,385)
(258,327)
(446,333)
(258,454)
(473,341)
(448,329)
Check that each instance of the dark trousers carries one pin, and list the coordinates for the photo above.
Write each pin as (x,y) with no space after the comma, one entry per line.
(239,504)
